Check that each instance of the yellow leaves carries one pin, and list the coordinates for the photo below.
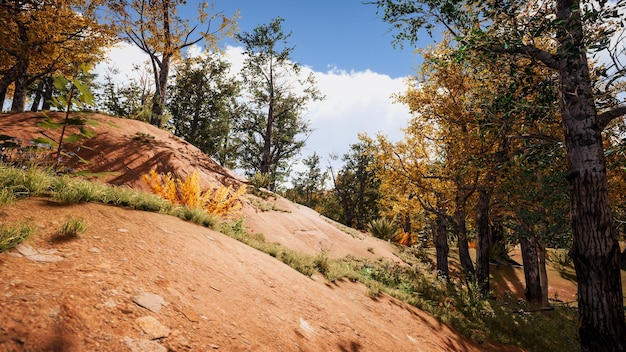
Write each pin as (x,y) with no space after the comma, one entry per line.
(404,238)
(188,192)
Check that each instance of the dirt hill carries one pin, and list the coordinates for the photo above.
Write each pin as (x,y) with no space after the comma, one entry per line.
(139,281)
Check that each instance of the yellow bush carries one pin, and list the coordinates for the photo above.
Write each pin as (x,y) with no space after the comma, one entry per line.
(187,192)
(403,238)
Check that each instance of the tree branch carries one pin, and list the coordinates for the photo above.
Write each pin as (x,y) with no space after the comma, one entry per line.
(606,117)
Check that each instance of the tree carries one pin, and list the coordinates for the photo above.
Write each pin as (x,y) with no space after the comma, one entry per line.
(309,183)
(272,121)
(130,99)
(156,28)
(202,102)
(356,185)
(576,28)
(40,39)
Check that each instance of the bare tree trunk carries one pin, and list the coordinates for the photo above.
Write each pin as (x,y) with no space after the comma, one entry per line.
(595,249)
(483,242)
(464,256)
(543,274)
(21,85)
(531,270)
(160,95)
(38,95)
(441,246)
(5,82)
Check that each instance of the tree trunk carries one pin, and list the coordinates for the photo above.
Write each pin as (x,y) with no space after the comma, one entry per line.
(160,94)
(407,222)
(497,242)
(21,86)
(5,82)
(47,93)
(543,274)
(441,246)
(531,270)
(595,249)
(464,256)
(38,95)
(482,242)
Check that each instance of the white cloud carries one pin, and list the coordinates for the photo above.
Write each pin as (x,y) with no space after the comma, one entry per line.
(122,57)
(356,101)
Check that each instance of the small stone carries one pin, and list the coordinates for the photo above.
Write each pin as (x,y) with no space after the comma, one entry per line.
(150,301)
(122,230)
(190,314)
(45,258)
(25,249)
(306,327)
(152,327)
(94,250)
(143,345)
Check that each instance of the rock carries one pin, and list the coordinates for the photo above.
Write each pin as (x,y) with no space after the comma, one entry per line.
(45,258)
(306,327)
(143,345)
(190,314)
(94,250)
(25,250)
(150,301)
(152,327)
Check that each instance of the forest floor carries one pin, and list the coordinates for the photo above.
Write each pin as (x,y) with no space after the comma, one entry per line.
(139,281)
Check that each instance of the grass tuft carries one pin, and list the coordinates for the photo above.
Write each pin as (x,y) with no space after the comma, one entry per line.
(72,228)
(12,235)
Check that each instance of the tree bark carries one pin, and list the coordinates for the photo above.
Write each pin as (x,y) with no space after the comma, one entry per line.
(160,95)
(595,249)
(531,270)
(483,242)
(21,85)
(38,95)
(464,256)
(543,274)
(441,246)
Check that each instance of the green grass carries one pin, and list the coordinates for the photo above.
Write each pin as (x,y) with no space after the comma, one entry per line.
(34,182)
(504,319)
(12,235)
(72,228)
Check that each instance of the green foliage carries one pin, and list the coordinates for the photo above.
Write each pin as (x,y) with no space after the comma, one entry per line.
(357,187)
(202,101)
(271,124)
(73,93)
(309,184)
(72,228)
(131,100)
(383,228)
(260,180)
(12,235)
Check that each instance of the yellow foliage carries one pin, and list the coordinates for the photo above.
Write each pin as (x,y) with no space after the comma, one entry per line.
(187,192)
(403,238)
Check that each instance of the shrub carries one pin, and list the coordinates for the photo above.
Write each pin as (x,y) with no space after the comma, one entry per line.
(72,228)
(260,180)
(187,192)
(11,236)
(382,228)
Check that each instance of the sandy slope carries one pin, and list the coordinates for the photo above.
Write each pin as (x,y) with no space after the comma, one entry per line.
(217,293)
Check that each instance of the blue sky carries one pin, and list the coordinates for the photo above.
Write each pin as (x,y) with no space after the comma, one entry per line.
(346,34)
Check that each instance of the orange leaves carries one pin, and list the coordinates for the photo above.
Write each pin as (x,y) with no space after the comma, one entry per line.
(187,192)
